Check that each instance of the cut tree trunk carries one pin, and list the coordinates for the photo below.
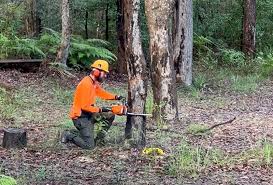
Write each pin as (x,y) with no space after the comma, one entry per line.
(14,138)
(249,28)
(158,15)
(65,43)
(121,62)
(183,41)
(136,67)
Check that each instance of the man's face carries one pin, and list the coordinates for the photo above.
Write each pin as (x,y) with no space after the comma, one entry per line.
(102,76)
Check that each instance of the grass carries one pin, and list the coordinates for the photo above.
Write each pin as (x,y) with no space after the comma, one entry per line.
(62,96)
(245,83)
(115,135)
(6,180)
(149,103)
(189,160)
(41,173)
(196,129)
(199,81)
(6,104)
(267,153)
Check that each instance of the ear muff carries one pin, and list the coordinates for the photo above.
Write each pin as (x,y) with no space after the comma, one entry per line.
(96,73)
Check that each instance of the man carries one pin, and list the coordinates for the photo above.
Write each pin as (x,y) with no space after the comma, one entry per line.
(84,113)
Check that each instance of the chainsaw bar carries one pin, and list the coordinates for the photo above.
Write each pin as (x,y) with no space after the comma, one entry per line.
(137,114)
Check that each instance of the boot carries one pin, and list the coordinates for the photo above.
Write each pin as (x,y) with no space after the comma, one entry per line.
(65,137)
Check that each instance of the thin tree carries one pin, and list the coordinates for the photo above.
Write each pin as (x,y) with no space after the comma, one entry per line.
(86,23)
(63,52)
(122,66)
(136,66)
(183,41)
(249,28)
(158,13)
(107,22)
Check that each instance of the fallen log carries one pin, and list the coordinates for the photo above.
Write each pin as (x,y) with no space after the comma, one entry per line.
(21,61)
(14,138)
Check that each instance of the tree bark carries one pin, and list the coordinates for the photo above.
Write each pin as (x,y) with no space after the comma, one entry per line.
(137,76)
(65,43)
(32,20)
(183,41)
(162,66)
(86,24)
(249,28)
(14,138)
(122,65)
(107,22)
(100,24)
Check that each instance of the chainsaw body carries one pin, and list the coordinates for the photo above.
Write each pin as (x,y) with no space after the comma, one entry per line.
(123,110)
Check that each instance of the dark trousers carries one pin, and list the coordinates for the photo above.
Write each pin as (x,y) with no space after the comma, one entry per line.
(85,126)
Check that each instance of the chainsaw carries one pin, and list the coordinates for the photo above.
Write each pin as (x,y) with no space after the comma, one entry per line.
(123,110)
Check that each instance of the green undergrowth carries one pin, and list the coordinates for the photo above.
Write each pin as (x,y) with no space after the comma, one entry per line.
(221,80)
(196,129)
(6,180)
(189,160)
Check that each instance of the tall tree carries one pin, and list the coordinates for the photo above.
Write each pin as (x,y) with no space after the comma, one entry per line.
(249,28)
(107,22)
(122,66)
(32,20)
(136,66)
(183,40)
(63,52)
(158,13)
(86,23)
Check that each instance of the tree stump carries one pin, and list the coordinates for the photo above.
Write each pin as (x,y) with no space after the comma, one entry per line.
(14,138)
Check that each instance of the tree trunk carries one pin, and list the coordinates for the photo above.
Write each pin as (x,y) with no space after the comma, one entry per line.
(32,20)
(183,41)
(65,43)
(122,66)
(107,22)
(136,66)
(86,24)
(162,66)
(100,24)
(14,138)
(249,28)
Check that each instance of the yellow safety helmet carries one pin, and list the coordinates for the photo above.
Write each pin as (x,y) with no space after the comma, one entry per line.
(101,65)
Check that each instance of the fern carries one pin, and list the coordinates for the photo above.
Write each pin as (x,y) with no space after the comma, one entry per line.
(231,57)
(19,48)
(267,65)
(99,42)
(81,52)
(53,33)
(88,50)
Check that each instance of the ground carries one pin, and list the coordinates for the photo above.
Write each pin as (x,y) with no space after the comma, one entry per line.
(240,152)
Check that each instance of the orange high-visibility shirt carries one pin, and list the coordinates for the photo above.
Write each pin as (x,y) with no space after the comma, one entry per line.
(85,97)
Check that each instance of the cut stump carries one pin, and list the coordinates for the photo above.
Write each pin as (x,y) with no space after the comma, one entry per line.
(14,138)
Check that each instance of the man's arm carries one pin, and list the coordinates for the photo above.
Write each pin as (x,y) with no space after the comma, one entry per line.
(100,92)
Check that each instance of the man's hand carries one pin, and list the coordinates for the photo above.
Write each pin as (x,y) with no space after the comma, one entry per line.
(105,109)
(119,97)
